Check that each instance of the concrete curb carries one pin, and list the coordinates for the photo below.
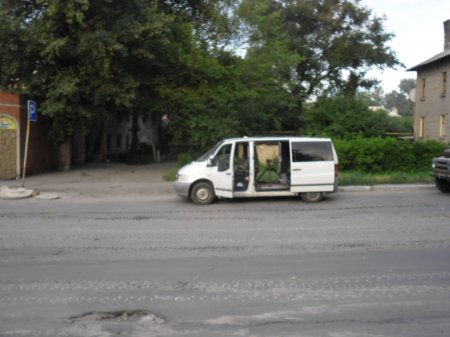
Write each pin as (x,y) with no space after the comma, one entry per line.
(387,187)
(355,188)
(16,193)
(406,187)
(47,196)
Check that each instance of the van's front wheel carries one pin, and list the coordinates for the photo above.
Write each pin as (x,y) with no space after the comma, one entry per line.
(202,193)
(311,196)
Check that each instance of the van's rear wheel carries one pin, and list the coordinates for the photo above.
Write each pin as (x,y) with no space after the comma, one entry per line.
(311,196)
(202,193)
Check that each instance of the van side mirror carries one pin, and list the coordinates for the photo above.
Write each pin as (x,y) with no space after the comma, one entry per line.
(210,162)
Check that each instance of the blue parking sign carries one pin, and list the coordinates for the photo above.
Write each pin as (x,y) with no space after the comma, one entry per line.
(32,111)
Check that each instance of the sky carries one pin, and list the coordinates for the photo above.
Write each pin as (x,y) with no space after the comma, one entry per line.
(419,33)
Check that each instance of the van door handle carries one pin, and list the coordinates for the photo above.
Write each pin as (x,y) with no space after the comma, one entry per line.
(228,174)
(296,169)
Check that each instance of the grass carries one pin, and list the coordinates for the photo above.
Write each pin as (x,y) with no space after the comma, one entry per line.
(348,178)
(171,175)
(360,178)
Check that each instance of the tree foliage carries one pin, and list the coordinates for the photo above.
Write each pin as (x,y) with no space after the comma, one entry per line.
(86,60)
(221,97)
(395,100)
(400,99)
(349,117)
(82,59)
(213,93)
(338,42)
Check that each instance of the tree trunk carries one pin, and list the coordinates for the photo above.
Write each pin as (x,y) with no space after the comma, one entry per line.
(103,147)
(78,147)
(65,155)
(134,133)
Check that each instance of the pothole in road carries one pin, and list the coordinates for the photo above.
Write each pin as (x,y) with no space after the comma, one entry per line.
(120,316)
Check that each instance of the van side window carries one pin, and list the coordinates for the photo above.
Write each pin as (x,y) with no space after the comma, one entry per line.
(311,151)
(223,158)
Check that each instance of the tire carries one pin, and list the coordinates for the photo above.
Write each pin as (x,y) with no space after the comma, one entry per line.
(202,193)
(311,196)
(442,185)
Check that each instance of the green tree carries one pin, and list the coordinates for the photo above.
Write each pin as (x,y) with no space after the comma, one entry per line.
(268,66)
(209,98)
(210,93)
(86,60)
(83,60)
(400,99)
(213,22)
(338,42)
(374,96)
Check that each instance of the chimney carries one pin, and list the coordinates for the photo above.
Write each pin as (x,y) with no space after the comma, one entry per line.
(447,35)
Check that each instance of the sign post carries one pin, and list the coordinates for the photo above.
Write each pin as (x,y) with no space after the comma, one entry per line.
(32,117)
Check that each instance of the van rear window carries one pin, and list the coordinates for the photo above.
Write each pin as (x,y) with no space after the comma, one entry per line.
(311,151)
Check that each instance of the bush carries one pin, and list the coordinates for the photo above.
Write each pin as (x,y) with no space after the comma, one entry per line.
(185,158)
(182,159)
(424,151)
(348,117)
(376,155)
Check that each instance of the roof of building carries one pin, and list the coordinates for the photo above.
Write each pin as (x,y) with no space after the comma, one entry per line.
(435,58)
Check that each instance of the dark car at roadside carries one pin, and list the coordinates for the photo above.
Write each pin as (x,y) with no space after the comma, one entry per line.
(440,170)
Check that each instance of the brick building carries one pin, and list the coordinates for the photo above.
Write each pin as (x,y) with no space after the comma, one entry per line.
(432,111)
(42,154)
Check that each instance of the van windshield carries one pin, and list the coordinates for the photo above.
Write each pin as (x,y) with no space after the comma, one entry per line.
(210,152)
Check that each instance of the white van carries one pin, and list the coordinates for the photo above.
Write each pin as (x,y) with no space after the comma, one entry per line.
(261,167)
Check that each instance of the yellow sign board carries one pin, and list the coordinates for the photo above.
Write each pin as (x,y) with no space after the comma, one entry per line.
(7,123)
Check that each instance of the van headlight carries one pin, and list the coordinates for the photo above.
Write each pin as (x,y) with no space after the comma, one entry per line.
(182,177)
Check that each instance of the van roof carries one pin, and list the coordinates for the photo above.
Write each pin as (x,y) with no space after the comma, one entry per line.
(277,138)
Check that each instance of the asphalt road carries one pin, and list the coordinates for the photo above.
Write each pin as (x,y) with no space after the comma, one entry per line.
(357,264)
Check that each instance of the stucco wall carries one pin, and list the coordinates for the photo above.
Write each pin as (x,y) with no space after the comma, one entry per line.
(42,154)
(9,164)
(9,136)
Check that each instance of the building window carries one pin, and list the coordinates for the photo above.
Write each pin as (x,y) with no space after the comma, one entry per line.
(119,141)
(444,84)
(421,127)
(423,89)
(442,126)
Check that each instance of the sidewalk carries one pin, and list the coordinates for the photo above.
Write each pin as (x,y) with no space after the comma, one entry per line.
(98,179)
(117,179)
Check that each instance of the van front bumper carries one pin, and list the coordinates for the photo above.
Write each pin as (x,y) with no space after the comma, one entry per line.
(181,189)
